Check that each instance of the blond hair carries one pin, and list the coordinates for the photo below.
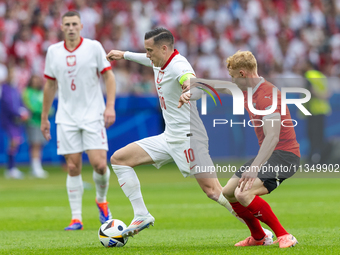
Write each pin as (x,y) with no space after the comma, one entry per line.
(242,60)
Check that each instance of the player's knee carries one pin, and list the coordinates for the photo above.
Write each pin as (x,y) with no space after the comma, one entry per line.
(241,196)
(100,167)
(211,193)
(73,169)
(116,159)
(228,193)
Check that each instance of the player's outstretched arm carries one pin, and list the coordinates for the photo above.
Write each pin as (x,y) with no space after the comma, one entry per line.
(115,55)
(49,92)
(139,58)
(110,83)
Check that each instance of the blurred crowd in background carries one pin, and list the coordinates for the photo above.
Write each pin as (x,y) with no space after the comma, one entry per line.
(282,34)
(287,37)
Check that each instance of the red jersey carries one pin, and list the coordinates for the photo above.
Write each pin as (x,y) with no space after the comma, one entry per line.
(262,100)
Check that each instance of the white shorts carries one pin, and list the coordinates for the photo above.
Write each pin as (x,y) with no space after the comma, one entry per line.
(186,153)
(75,139)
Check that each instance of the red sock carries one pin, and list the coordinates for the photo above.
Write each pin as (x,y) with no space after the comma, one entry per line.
(262,211)
(252,223)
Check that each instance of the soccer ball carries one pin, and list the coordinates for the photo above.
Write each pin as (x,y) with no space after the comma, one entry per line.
(110,233)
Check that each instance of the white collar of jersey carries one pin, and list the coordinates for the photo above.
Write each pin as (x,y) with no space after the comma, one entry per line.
(81,41)
(170,58)
(258,85)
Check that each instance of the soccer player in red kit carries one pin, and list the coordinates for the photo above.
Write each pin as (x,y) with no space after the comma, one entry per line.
(277,159)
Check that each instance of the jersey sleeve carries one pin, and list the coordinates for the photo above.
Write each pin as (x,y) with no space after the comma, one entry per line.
(139,58)
(181,68)
(48,72)
(266,102)
(103,64)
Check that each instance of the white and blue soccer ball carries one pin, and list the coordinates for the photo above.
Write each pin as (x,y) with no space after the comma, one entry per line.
(110,233)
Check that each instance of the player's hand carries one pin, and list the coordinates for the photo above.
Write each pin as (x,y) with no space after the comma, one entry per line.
(115,55)
(248,178)
(45,129)
(109,116)
(186,86)
(184,99)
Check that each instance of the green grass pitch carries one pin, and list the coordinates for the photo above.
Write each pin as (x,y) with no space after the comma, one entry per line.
(34,212)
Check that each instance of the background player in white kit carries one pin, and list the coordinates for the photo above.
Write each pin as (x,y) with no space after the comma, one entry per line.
(184,140)
(73,67)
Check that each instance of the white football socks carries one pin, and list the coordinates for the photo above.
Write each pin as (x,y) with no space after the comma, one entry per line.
(75,190)
(224,202)
(130,185)
(36,164)
(102,185)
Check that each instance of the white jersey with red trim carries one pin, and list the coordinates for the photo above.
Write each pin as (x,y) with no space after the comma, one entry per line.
(77,73)
(179,122)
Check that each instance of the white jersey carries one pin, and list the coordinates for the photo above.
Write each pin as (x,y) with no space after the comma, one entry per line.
(179,122)
(77,73)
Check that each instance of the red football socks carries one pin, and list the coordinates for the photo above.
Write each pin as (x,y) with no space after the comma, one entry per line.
(262,211)
(252,223)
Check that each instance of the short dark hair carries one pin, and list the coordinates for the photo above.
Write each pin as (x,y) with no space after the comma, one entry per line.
(71,14)
(159,35)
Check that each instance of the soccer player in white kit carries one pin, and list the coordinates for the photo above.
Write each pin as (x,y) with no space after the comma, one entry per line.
(73,67)
(184,140)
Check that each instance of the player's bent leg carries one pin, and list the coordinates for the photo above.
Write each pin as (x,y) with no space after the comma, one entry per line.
(101,176)
(211,186)
(263,212)
(245,197)
(75,189)
(213,189)
(131,155)
(130,185)
(263,236)
(122,162)
(229,189)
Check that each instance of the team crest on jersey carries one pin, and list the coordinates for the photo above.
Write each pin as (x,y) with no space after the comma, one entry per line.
(71,60)
(160,76)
